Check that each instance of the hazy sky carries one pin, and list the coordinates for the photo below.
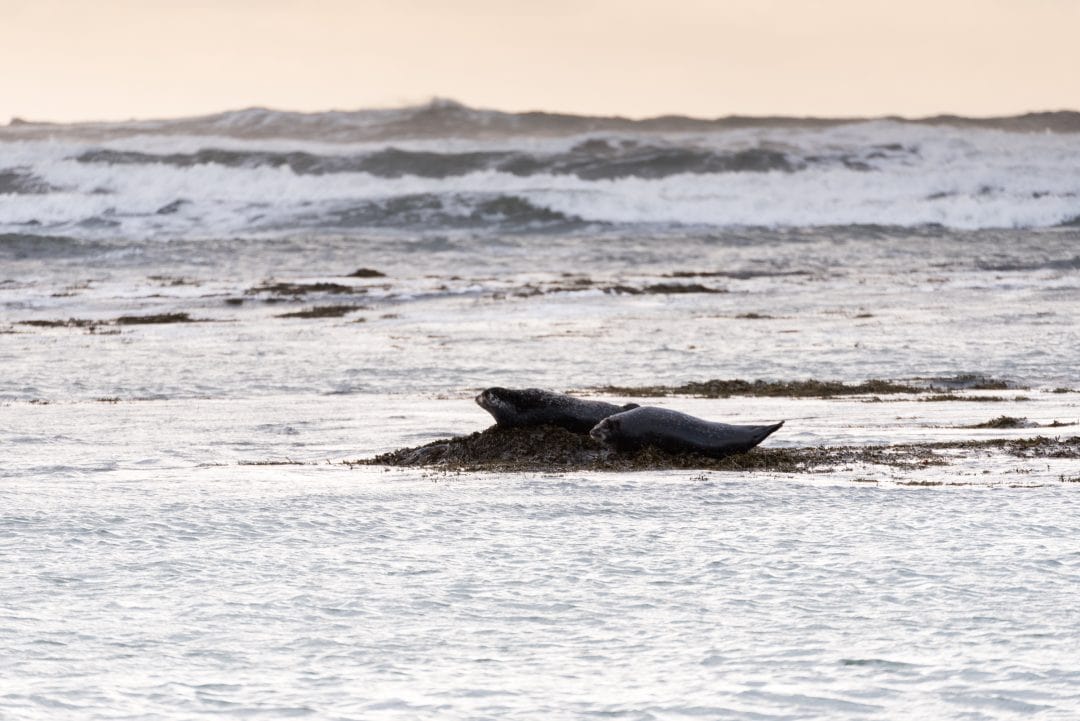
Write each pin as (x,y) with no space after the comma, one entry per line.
(98,59)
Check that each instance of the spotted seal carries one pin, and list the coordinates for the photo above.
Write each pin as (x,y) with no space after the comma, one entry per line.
(677,433)
(536,407)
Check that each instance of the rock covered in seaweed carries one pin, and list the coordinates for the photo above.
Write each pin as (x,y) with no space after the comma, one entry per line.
(550,449)
(553,449)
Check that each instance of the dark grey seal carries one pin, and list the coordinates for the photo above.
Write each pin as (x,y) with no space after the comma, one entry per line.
(677,433)
(536,407)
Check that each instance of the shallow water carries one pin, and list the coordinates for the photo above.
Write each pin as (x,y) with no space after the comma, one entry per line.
(364,594)
(846,304)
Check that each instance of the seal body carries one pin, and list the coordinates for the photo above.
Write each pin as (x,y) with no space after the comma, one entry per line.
(677,433)
(536,407)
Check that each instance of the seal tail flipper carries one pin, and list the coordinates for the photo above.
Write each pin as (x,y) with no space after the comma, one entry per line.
(762,432)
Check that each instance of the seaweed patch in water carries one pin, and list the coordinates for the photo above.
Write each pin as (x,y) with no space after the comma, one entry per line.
(1040,447)
(69,323)
(969,382)
(93,325)
(579,284)
(1005,422)
(790,389)
(322,311)
(155,319)
(299,289)
(672,288)
(735,275)
(942,397)
(1014,422)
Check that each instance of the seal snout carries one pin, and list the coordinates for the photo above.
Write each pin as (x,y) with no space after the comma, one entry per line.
(601,431)
(489,398)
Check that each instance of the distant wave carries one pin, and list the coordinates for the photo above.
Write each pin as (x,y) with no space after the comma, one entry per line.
(594,159)
(447,118)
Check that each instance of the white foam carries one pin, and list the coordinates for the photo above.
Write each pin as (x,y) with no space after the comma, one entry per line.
(956,178)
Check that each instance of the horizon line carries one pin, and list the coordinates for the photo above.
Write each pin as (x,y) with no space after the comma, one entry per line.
(440,101)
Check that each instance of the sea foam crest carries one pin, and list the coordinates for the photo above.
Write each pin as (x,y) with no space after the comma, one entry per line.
(883,173)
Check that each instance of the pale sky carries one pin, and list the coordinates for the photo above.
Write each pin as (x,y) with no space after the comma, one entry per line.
(115,59)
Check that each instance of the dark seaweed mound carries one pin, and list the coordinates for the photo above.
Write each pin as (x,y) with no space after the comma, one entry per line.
(552,449)
(549,448)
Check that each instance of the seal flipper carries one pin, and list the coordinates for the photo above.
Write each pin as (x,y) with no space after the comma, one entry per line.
(743,440)
(766,431)
(760,433)
(629,407)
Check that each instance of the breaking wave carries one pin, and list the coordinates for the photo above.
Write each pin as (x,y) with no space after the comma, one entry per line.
(20,181)
(596,159)
(435,212)
(447,167)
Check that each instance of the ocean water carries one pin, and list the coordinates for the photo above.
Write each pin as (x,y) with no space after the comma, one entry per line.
(179,535)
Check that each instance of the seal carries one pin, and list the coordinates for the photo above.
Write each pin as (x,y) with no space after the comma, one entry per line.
(677,433)
(536,407)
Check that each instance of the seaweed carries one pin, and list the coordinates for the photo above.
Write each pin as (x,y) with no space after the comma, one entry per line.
(1004,422)
(366,273)
(553,449)
(940,397)
(813,388)
(94,325)
(969,382)
(672,288)
(322,311)
(791,389)
(299,289)
(155,319)
(69,323)
(1014,422)
(578,284)
(735,275)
